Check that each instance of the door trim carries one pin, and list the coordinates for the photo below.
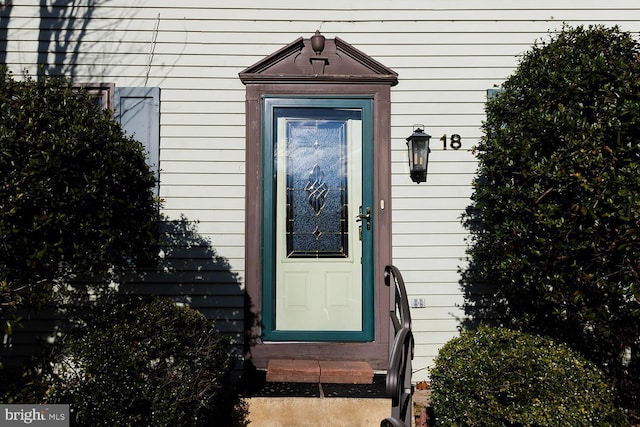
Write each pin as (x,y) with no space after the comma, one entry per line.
(269,331)
(375,352)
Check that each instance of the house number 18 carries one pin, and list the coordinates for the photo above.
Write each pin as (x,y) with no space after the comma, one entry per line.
(456,141)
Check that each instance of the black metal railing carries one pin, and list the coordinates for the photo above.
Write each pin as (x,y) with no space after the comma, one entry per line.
(399,387)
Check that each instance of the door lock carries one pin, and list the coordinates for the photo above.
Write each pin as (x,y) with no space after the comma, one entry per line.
(366,216)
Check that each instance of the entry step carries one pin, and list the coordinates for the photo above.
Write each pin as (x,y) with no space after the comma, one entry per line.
(319,371)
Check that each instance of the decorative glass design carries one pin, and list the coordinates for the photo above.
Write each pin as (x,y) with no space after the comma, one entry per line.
(316,193)
(317,189)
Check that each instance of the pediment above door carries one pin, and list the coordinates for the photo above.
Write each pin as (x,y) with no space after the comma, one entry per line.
(333,60)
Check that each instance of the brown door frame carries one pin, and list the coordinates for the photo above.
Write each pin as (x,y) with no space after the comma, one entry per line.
(376,352)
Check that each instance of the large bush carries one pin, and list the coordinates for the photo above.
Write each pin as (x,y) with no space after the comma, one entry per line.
(495,377)
(76,194)
(556,202)
(142,363)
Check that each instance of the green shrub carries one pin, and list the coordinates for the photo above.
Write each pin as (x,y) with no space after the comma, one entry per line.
(145,363)
(499,377)
(556,203)
(76,193)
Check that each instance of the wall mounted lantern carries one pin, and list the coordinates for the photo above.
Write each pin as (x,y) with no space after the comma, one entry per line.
(418,147)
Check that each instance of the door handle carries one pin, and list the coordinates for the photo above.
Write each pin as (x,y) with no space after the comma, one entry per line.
(366,216)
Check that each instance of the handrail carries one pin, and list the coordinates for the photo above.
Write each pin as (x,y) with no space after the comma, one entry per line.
(398,382)
(395,372)
(392,422)
(401,302)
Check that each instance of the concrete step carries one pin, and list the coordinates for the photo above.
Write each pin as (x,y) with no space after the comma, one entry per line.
(291,404)
(296,403)
(317,412)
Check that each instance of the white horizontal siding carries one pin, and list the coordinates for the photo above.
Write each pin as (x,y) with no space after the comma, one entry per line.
(447,54)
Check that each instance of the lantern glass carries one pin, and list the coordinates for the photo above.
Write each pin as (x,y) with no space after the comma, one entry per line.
(418,150)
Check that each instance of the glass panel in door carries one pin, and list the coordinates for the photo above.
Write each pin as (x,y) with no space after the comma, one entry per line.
(318,284)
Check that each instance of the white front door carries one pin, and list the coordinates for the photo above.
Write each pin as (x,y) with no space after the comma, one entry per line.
(318,259)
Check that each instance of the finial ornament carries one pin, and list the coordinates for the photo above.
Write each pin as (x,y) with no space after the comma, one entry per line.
(317,42)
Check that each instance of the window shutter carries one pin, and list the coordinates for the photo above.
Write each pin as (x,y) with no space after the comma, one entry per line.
(138,111)
(493,92)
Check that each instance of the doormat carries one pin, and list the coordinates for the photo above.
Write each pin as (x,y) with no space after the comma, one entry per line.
(376,390)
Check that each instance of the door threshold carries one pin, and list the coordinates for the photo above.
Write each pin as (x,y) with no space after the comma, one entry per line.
(319,371)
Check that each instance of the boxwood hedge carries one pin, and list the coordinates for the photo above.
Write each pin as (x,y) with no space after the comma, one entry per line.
(143,362)
(494,377)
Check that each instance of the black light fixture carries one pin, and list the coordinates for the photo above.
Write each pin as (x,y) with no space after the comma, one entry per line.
(418,147)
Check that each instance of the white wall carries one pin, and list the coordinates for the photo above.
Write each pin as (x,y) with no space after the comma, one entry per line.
(447,54)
